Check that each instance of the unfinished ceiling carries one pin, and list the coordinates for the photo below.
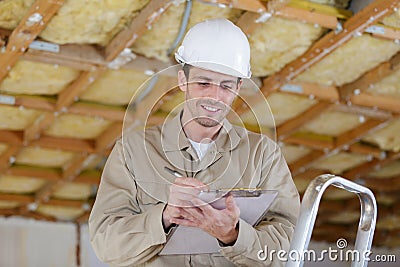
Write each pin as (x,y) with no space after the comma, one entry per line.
(69,68)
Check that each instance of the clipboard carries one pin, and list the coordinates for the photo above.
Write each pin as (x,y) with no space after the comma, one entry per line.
(253,205)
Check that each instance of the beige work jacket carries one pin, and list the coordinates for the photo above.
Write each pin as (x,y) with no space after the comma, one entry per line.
(126,221)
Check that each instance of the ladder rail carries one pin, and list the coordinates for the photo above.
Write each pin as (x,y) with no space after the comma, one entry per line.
(308,213)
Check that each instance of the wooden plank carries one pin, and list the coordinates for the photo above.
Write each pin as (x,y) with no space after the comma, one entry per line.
(331,41)
(6,157)
(377,101)
(357,133)
(89,177)
(108,137)
(325,21)
(97,110)
(13,138)
(322,92)
(383,31)
(66,203)
(80,57)
(37,172)
(293,124)
(362,169)
(310,142)
(248,5)
(367,150)
(301,164)
(25,199)
(68,144)
(70,94)
(75,167)
(42,123)
(136,28)
(373,76)
(34,21)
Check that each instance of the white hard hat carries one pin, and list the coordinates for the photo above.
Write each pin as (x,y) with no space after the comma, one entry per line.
(217,45)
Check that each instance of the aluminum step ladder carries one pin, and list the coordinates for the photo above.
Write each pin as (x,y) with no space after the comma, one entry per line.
(308,214)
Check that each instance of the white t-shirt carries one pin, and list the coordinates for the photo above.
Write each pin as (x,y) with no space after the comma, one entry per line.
(201,148)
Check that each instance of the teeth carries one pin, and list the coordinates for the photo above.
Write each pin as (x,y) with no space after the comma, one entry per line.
(210,108)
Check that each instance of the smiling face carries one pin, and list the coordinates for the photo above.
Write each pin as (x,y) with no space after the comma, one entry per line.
(209,95)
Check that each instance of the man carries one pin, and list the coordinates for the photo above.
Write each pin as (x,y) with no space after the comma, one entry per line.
(139,203)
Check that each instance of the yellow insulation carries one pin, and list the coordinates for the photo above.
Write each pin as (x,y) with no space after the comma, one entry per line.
(390,170)
(340,162)
(76,126)
(333,123)
(44,157)
(370,52)
(293,153)
(388,86)
(157,40)
(20,184)
(34,78)
(9,204)
(393,19)
(115,87)
(3,147)
(279,41)
(61,213)
(12,11)
(73,191)
(17,118)
(387,138)
(93,22)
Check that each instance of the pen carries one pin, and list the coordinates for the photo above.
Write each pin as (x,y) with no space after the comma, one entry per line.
(174,173)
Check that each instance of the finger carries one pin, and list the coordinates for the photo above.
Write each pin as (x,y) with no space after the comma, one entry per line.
(205,208)
(191,182)
(184,222)
(230,203)
(194,214)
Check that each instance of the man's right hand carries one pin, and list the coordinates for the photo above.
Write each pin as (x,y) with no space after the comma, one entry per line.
(181,192)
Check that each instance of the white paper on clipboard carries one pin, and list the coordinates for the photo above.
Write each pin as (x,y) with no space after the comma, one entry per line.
(191,240)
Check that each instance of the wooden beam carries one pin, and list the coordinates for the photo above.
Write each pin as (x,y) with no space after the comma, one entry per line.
(108,137)
(373,76)
(97,110)
(24,199)
(68,144)
(75,167)
(322,92)
(331,41)
(300,164)
(248,5)
(364,168)
(310,142)
(80,57)
(357,133)
(377,101)
(71,94)
(34,21)
(293,124)
(325,21)
(138,26)
(384,32)
(50,174)
(13,138)
(367,150)
(6,156)
(41,123)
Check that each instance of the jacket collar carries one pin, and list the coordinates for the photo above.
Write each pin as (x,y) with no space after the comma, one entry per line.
(173,137)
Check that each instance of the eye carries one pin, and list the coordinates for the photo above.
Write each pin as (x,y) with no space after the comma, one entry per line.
(226,86)
(203,84)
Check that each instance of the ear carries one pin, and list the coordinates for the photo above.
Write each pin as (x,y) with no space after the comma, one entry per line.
(182,82)
(239,86)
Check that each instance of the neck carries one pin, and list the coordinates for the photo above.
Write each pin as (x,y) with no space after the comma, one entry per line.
(197,132)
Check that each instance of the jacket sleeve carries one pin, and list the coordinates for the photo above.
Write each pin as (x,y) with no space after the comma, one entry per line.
(274,232)
(120,232)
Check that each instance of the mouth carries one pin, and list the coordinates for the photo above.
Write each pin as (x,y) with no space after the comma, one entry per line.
(210,108)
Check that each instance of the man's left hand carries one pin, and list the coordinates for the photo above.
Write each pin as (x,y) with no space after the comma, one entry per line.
(219,223)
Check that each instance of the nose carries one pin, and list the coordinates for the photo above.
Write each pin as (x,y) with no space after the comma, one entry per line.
(215,92)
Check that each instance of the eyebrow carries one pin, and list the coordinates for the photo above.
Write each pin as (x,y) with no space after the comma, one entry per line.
(209,79)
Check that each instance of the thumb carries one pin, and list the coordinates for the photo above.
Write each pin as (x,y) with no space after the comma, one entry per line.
(230,203)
